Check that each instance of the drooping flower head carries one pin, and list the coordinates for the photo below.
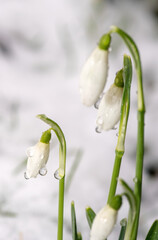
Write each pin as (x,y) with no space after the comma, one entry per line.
(38,156)
(110,105)
(105,220)
(94,73)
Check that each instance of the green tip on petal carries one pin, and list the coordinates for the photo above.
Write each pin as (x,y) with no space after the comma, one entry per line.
(46,136)
(105,41)
(116,202)
(119,79)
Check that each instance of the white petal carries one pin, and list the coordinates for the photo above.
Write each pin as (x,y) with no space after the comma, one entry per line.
(103,223)
(109,108)
(93,77)
(38,160)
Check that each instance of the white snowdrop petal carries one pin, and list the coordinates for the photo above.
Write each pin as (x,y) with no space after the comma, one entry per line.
(93,77)
(103,223)
(38,160)
(110,108)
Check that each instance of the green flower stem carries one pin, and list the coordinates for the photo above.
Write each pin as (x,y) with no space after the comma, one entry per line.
(127,76)
(61,171)
(115,175)
(140,132)
(139,169)
(61,208)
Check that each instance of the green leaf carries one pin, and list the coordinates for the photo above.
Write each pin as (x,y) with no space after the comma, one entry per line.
(75,236)
(153,232)
(79,236)
(123,228)
(128,192)
(90,214)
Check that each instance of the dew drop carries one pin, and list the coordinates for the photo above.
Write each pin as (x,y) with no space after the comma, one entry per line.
(96,105)
(123,222)
(30,151)
(56,175)
(43,171)
(114,128)
(41,156)
(98,129)
(117,134)
(135,179)
(100,121)
(25,176)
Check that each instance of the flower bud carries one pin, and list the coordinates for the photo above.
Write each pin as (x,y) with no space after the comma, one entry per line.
(110,108)
(38,156)
(103,223)
(93,76)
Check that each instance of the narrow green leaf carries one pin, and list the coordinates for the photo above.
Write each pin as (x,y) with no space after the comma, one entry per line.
(153,232)
(123,228)
(90,214)
(128,192)
(79,236)
(125,107)
(73,222)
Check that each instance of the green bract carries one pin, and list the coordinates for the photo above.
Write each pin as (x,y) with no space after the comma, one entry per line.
(105,41)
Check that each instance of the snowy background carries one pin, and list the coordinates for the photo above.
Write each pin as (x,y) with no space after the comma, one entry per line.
(43,45)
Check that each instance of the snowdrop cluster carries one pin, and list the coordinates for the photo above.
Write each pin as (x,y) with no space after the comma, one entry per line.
(92,82)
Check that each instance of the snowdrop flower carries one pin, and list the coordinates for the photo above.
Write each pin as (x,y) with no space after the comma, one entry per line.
(38,156)
(110,107)
(105,220)
(94,73)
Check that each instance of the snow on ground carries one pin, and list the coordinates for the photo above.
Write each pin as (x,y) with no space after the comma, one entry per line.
(43,45)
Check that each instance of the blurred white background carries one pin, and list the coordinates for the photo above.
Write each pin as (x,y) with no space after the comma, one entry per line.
(43,45)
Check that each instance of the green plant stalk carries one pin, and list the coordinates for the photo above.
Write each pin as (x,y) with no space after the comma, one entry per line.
(115,175)
(61,208)
(140,131)
(127,76)
(61,171)
(139,169)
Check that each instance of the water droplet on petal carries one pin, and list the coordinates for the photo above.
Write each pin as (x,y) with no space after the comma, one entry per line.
(123,222)
(41,156)
(56,175)
(117,134)
(25,176)
(100,121)
(98,129)
(43,171)
(135,179)
(30,151)
(96,105)
(114,128)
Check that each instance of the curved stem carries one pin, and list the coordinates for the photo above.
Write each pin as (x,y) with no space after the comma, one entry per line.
(61,171)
